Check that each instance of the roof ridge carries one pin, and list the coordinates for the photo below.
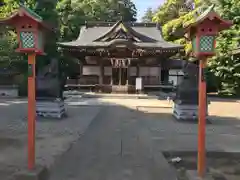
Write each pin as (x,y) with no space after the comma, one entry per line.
(129,29)
(110,24)
(31,12)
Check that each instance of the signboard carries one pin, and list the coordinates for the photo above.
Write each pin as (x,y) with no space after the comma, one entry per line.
(138,83)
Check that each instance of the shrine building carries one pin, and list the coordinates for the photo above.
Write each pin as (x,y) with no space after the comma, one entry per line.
(112,55)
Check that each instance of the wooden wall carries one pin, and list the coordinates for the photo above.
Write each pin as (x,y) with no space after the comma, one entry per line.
(149,69)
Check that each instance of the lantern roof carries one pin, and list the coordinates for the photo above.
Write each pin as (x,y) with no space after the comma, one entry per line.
(212,15)
(32,14)
(27,12)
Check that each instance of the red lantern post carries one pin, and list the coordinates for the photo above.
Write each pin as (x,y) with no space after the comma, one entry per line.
(203,34)
(30,30)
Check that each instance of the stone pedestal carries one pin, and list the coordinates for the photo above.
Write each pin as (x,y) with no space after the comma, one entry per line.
(38,173)
(50,108)
(9,91)
(186,111)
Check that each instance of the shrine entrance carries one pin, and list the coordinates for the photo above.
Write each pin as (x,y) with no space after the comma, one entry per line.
(120,74)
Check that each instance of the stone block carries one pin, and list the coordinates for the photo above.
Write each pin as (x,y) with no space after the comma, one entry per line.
(50,108)
(185,111)
(9,91)
(193,175)
(39,173)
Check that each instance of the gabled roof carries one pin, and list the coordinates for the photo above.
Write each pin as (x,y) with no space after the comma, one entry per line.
(25,11)
(121,27)
(104,34)
(211,14)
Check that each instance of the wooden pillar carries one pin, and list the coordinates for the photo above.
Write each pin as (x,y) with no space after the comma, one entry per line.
(202,107)
(120,76)
(31,110)
(112,76)
(159,75)
(101,75)
(127,81)
(138,74)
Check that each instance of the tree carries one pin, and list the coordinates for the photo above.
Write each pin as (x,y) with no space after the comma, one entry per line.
(46,9)
(148,16)
(225,68)
(174,15)
(74,13)
(8,39)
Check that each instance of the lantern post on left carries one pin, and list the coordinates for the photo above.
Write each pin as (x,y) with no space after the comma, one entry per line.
(30,30)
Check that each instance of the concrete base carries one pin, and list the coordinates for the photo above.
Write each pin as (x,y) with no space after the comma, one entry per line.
(186,111)
(50,108)
(211,175)
(39,173)
(193,175)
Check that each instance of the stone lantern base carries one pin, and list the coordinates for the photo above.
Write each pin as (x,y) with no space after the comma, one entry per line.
(50,108)
(186,111)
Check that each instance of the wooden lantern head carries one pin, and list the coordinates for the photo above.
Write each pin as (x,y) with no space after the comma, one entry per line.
(204,30)
(30,30)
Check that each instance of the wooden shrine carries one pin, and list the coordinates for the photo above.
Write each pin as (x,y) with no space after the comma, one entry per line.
(113,55)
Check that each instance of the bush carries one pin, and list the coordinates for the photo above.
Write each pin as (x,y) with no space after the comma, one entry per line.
(212,81)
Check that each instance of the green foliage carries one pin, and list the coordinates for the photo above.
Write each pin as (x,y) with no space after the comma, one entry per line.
(170,10)
(224,65)
(8,40)
(73,14)
(226,69)
(46,9)
(67,16)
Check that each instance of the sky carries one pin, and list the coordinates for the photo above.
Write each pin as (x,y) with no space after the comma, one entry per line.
(142,5)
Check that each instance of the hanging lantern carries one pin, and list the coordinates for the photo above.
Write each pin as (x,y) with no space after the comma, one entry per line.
(204,30)
(30,30)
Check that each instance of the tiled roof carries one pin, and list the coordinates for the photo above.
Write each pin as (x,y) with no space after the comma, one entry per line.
(149,34)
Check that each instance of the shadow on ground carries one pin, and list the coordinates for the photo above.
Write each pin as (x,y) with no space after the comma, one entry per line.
(122,130)
(124,138)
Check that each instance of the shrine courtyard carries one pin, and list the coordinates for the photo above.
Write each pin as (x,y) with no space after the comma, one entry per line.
(113,138)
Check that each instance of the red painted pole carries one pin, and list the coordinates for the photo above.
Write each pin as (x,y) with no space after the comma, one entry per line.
(202,105)
(31,111)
